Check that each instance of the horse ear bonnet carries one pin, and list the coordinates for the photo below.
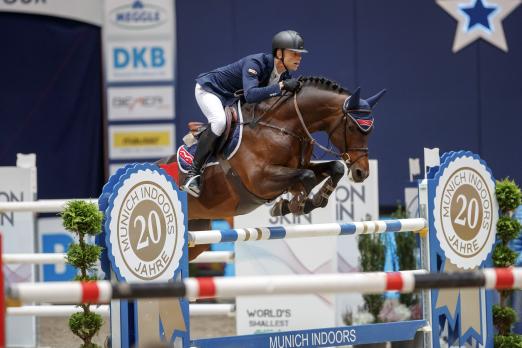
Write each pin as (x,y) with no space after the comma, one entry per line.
(360,110)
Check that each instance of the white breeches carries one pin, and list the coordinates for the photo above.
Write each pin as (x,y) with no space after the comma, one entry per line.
(212,108)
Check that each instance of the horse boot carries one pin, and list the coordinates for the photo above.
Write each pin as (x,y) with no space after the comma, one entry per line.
(206,145)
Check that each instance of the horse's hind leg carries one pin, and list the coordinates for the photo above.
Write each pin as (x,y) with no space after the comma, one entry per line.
(198,225)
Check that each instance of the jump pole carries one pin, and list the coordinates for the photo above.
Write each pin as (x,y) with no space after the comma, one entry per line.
(103,292)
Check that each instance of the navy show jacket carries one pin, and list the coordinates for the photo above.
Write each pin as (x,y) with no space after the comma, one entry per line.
(250,74)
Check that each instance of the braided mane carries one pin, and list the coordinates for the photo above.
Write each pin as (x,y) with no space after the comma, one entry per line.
(322,83)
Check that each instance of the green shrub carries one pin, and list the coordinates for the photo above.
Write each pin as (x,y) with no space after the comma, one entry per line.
(508,341)
(508,229)
(84,219)
(504,318)
(508,195)
(503,256)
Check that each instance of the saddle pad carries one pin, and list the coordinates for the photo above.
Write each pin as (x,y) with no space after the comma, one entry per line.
(186,153)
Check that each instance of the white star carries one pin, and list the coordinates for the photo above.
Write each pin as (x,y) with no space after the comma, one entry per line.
(464,37)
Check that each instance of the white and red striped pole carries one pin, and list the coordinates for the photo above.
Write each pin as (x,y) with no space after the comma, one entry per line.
(364,283)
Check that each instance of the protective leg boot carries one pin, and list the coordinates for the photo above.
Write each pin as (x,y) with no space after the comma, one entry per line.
(206,146)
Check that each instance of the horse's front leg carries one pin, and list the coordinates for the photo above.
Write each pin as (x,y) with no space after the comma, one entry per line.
(333,171)
(279,178)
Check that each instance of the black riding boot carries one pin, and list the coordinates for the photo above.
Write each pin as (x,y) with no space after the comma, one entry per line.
(206,145)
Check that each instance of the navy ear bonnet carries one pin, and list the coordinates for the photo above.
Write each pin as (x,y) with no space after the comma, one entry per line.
(360,110)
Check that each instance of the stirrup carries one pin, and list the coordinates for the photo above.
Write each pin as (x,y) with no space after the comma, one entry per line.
(191,188)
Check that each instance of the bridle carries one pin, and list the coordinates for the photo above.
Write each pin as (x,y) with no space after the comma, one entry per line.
(308,138)
(345,155)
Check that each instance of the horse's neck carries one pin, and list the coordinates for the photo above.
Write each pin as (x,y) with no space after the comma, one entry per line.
(319,107)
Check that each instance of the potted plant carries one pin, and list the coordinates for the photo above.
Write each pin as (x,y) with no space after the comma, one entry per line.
(84,219)
(509,197)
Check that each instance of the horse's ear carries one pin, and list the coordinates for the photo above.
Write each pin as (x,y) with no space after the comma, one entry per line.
(353,102)
(374,99)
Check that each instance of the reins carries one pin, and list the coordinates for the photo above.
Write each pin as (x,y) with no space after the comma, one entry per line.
(308,138)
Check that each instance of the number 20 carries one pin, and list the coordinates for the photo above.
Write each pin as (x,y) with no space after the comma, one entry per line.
(148,231)
(468,214)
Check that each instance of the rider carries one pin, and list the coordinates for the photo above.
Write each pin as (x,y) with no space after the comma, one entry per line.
(257,77)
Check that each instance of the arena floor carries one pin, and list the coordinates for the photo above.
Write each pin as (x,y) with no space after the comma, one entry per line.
(55,333)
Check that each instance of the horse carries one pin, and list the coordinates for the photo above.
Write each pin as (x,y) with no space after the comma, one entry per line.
(276,151)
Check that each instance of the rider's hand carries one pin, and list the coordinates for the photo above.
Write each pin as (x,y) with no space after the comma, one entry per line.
(291,85)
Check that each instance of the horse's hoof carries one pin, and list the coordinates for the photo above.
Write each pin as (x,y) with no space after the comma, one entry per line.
(277,208)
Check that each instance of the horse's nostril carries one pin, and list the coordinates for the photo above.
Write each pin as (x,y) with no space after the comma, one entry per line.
(358,173)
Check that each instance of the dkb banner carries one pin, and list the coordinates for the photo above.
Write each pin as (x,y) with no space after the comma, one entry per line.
(139,46)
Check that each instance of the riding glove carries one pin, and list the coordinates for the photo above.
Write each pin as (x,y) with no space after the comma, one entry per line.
(291,85)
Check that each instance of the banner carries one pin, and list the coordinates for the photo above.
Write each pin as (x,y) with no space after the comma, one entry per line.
(349,202)
(139,57)
(18,237)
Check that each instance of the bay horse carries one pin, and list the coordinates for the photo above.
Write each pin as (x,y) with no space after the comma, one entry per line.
(276,151)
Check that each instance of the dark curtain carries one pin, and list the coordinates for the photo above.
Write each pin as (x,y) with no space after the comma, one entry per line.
(51,102)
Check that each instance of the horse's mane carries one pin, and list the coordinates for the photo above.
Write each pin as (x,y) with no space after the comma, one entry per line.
(319,82)
(323,83)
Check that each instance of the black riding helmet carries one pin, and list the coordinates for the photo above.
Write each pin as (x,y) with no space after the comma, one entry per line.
(288,40)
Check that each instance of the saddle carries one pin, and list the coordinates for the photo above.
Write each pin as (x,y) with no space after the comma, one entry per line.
(227,146)
(196,128)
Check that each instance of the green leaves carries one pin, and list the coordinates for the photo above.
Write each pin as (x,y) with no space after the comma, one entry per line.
(504,318)
(82,217)
(503,256)
(508,341)
(85,326)
(84,257)
(508,195)
(508,229)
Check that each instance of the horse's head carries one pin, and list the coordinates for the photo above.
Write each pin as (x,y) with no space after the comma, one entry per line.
(350,134)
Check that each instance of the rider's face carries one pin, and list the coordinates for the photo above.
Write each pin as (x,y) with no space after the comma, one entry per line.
(292,59)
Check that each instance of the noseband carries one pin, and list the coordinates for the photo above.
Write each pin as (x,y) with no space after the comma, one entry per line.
(345,156)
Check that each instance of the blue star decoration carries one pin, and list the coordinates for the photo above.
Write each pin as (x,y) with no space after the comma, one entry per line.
(479,19)
(478,14)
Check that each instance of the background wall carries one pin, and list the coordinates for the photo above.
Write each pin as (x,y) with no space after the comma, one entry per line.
(51,102)
(468,100)
(51,93)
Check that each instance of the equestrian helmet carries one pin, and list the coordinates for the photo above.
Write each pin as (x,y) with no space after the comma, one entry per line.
(289,40)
